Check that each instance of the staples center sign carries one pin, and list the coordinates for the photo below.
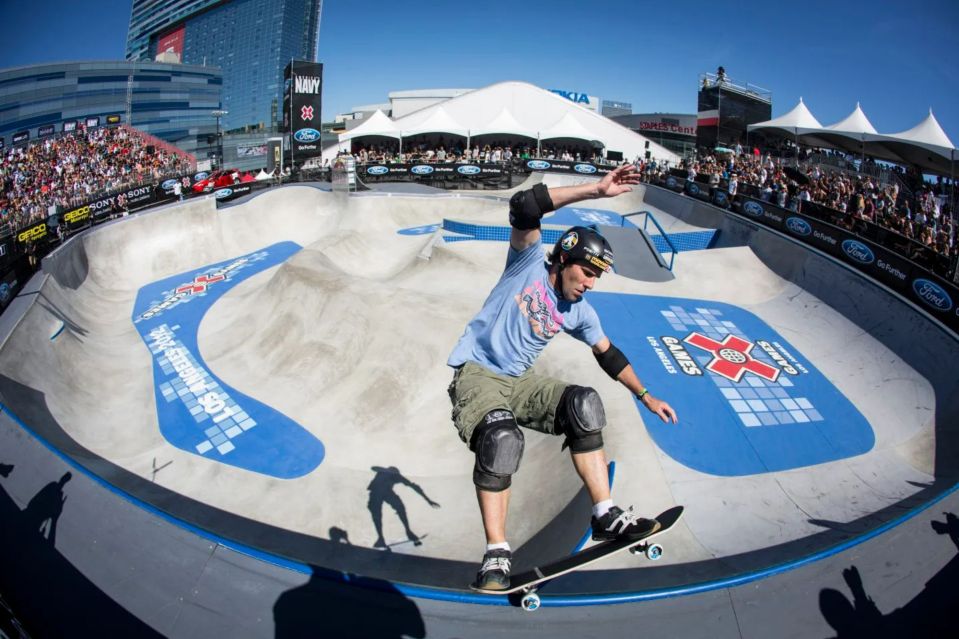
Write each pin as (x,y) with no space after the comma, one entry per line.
(677,128)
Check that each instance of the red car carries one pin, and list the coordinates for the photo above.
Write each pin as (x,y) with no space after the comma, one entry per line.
(216,180)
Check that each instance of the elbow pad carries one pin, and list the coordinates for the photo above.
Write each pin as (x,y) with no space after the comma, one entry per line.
(612,361)
(526,208)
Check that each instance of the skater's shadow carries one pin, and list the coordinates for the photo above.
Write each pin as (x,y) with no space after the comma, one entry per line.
(326,607)
(927,614)
(383,490)
(43,511)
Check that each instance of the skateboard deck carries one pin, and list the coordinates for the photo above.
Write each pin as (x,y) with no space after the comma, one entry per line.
(528,580)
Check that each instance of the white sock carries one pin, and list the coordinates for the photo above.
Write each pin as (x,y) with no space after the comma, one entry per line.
(602,508)
(500,546)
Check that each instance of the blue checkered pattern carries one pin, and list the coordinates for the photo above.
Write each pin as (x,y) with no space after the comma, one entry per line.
(220,426)
(757,402)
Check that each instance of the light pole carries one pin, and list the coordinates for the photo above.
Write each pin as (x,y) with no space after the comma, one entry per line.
(219,113)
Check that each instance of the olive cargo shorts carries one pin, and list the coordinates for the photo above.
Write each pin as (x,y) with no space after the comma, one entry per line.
(531,398)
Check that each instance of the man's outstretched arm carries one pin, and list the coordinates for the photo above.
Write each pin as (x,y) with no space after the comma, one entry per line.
(618,367)
(528,207)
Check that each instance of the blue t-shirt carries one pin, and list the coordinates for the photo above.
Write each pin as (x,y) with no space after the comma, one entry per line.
(520,316)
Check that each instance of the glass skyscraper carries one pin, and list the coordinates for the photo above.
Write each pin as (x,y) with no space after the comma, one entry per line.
(251,41)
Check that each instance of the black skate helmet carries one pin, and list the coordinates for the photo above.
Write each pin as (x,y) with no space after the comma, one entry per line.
(583,244)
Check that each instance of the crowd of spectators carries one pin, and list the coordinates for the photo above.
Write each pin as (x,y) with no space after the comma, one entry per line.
(72,169)
(493,152)
(923,216)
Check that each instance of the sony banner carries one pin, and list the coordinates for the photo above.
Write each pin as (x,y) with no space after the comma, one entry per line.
(301,108)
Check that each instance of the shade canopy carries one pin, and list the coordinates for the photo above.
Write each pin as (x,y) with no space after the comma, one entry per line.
(377,124)
(520,109)
(925,146)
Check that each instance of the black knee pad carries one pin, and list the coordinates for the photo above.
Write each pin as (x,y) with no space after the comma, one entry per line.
(498,443)
(581,416)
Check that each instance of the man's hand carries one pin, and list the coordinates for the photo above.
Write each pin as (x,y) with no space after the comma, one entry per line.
(661,408)
(618,181)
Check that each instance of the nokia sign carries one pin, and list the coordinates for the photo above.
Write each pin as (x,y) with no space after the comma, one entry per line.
(578,97)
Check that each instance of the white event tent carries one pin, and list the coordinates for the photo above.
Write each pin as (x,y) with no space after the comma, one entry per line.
(925,145)
(514,109)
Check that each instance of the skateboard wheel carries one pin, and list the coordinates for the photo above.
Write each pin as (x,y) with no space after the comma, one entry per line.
(530,602)
(654,552)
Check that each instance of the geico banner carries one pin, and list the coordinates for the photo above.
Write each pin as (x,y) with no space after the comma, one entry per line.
(563,166)
(932,293)
(32,233)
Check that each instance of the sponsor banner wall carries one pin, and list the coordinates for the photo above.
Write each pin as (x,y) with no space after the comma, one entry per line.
(674,183)
(931,292)
(698,190)
(20,137)
(562,166)
(302,107)
(443,171)
(228,193)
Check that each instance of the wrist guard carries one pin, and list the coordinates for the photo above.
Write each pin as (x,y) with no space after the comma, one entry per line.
(526,208)
(612,361)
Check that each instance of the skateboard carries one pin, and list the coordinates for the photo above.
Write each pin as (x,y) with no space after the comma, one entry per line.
(528,582)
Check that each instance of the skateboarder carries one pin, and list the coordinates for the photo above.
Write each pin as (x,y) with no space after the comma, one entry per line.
(494,391)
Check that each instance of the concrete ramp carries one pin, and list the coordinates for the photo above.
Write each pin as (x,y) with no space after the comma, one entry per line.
(272,376)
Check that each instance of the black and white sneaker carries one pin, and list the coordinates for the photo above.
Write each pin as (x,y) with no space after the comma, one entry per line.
(494,573)
(618,523)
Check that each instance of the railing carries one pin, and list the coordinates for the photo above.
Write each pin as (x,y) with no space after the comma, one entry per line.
(649,216)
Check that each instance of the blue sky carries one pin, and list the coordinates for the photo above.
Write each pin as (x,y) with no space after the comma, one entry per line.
(896,58)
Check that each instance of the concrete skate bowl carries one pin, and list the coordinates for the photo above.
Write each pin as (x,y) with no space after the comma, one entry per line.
(270,378)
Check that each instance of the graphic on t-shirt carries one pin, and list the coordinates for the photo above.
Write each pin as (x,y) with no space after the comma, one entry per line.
(540,311)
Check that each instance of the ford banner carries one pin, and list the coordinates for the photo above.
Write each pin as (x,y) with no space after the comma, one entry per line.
(301,108)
